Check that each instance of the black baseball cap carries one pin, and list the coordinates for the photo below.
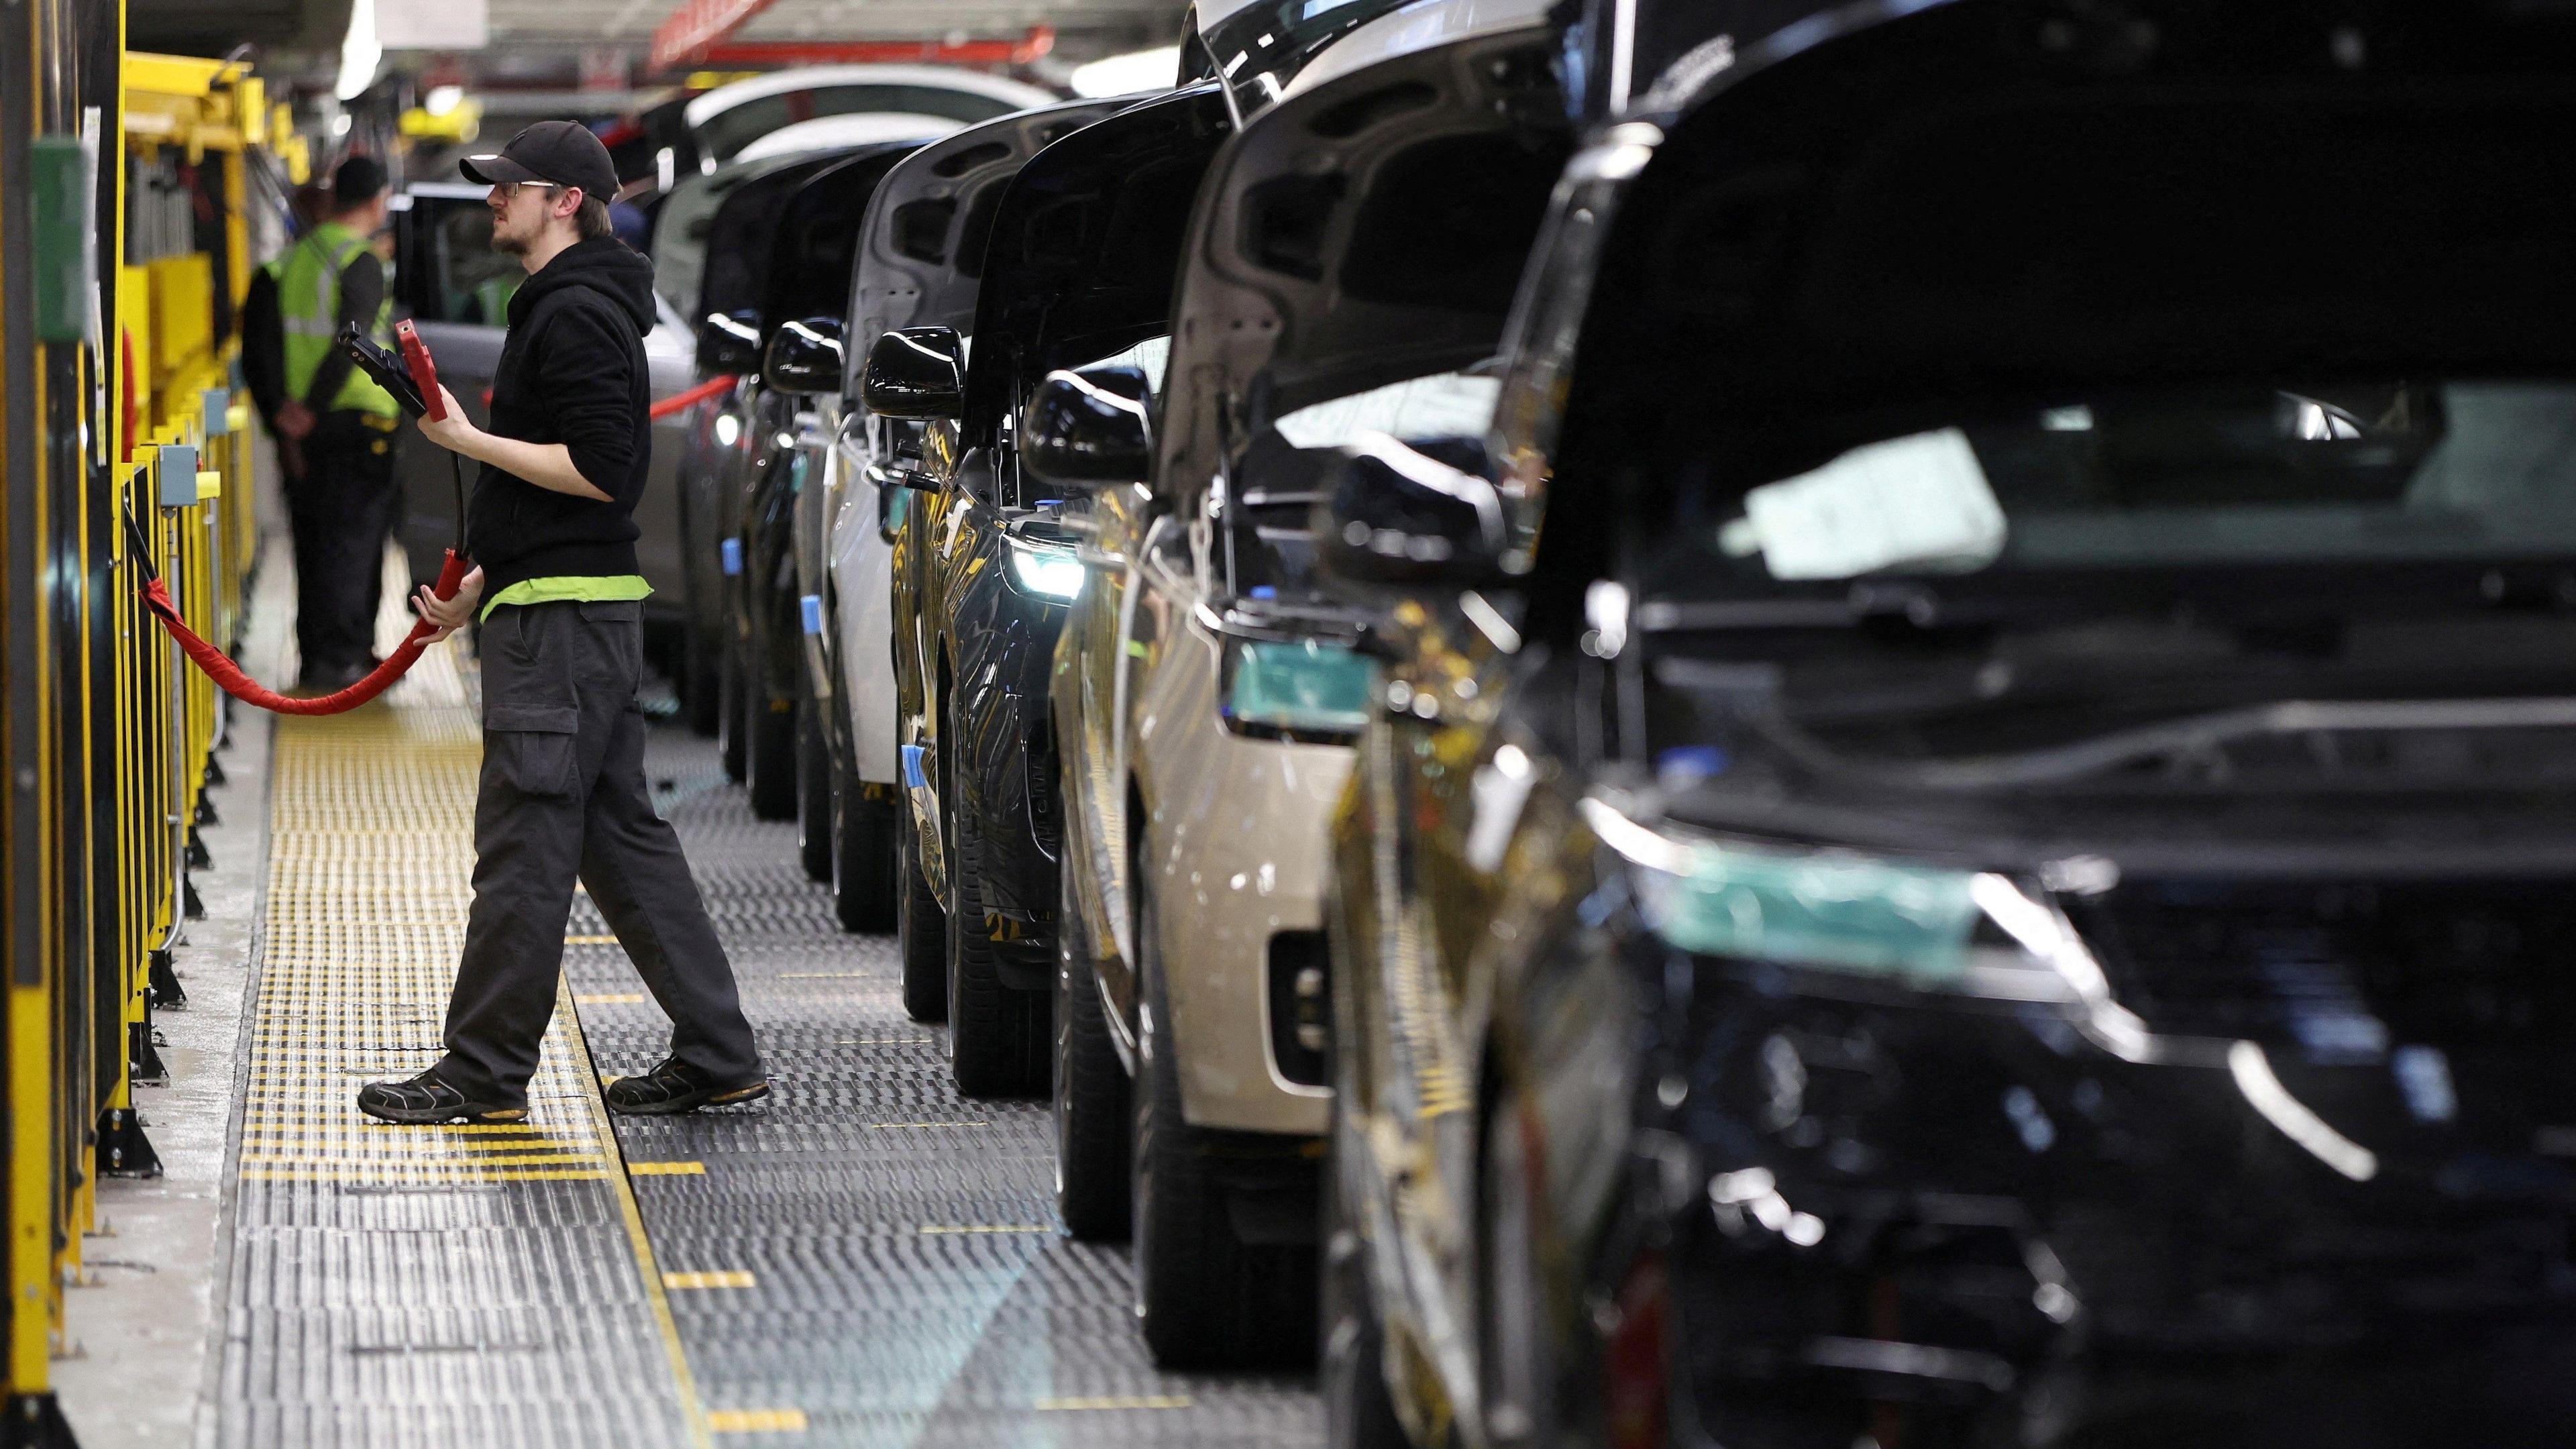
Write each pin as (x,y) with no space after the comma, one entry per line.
(360,179)
(560,153)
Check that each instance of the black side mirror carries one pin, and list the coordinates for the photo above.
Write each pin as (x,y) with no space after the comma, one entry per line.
(1087,429)
(804,357)
(729,342)
(1410,513)
(917,373)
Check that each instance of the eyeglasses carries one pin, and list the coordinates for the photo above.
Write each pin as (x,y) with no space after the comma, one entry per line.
(510,189)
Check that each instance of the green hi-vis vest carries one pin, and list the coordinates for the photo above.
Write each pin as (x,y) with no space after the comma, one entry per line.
(308,298)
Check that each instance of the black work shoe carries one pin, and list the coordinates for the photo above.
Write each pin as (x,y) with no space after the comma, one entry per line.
(675,1087)
(428,1098)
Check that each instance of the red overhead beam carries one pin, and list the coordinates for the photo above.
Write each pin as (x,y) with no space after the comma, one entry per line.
(698,24)
(1039,41)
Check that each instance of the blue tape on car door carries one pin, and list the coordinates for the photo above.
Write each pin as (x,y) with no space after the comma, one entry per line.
(912,776)
(732,551)
(813,606)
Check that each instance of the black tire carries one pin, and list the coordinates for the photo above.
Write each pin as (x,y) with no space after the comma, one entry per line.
(1351,1358)
(864,854)
(813,791)
(1205,1298)
(998,1041)
(730,716)
(702,695)
(920,928)
(1091,1092)
(769,754)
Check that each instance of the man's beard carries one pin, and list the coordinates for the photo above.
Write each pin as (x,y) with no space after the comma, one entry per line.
(508,245)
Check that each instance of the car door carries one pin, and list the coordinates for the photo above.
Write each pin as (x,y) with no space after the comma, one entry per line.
(457,291)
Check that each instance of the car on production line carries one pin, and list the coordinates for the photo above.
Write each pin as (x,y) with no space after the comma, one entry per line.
(1355,254)
(811,245)
(457,290)
(1079,268)
(920,260)
(1998,871)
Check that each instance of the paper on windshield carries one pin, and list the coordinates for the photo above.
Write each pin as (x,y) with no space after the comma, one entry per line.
(1443,405)
(1919,501)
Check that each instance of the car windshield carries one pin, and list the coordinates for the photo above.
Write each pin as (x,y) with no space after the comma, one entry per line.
(2389,472)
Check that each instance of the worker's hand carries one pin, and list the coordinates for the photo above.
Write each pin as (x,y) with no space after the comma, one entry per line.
(449,615)
(452,432)
(295,420)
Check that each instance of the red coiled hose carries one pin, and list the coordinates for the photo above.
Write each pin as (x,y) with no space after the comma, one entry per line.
(220,668)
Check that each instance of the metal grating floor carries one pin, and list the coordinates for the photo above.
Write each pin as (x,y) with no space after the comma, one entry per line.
(862,1260)
(882,1261)
(398,1286)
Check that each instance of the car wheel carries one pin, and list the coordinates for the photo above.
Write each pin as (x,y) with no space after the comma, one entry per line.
(730,716)
(1359,1413)
(1091,1092)
(813,791)
(702,694)
(769,753)
(997,1037)
(864,854)
(920,928)
(1205,1298)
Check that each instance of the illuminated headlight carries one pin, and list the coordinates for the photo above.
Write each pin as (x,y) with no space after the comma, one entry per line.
(728,430)
(1046,571)
(1848,915)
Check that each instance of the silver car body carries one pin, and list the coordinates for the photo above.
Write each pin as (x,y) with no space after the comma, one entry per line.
(1234,822)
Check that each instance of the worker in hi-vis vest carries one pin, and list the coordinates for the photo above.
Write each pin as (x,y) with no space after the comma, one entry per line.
(338,430)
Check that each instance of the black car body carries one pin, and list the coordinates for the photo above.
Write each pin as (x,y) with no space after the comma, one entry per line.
(1083,248)
(726,430)
(919,262)
(812,246)
(1353,258)
(1994,874)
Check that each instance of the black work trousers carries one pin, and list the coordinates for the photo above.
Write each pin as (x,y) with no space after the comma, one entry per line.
(563,797)
(341,506)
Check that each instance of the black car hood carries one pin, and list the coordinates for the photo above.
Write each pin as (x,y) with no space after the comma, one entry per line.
(1365,231)
(1086,243)
(921,256)
(812,251)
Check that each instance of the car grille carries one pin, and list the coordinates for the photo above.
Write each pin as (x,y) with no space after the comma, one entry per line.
(2343,967)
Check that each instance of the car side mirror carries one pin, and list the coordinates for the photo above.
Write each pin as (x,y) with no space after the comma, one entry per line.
(1088,429)
(729,342)
(805,357)
(917,373)
(1410,513)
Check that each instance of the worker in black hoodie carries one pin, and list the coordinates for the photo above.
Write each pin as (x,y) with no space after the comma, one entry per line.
(552,530)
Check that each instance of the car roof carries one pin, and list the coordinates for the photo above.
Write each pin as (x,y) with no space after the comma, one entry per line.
(832,133)
(1416,26)
(819,77)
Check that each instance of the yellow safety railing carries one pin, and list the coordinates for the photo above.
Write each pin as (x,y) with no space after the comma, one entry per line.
(124,445)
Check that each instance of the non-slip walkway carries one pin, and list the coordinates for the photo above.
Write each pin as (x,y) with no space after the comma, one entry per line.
(863,1260)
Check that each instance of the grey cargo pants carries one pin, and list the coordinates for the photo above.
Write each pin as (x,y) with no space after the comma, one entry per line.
(563,795)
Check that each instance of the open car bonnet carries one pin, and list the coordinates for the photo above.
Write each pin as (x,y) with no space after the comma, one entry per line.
(921,258)
(1084,246)
(1954,203)
(1366,230)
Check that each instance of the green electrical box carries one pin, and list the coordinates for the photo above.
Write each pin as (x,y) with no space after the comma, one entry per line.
(66,273)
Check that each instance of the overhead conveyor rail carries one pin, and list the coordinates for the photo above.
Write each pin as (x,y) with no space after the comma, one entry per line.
(127,198)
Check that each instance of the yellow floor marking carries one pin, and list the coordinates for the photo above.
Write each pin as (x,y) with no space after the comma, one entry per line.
(439,1176)
(667,1169)
(891,1126)
(610,998)
(996,1228)
(756,1421)
(590,940)
(721,1278)
(684,1382)
(1120,1401)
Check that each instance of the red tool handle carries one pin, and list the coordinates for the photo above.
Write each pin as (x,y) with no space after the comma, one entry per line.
(424,373)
